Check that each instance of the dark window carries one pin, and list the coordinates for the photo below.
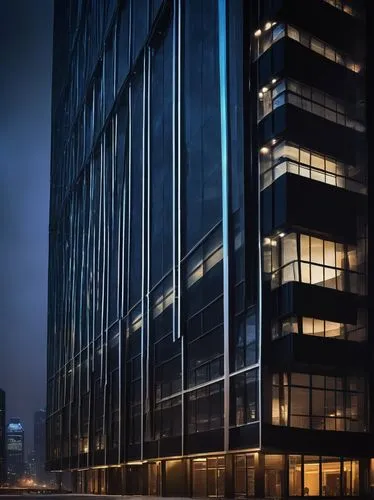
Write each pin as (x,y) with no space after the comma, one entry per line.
(201,155)
(161,186)
(245,341)
(244,393)
(205,408)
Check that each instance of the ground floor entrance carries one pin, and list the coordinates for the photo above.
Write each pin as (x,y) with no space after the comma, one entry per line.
(235,475)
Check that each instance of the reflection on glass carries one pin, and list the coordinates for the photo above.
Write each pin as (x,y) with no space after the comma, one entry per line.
(319,402)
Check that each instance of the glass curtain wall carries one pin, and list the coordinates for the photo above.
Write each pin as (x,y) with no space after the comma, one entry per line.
(136,200)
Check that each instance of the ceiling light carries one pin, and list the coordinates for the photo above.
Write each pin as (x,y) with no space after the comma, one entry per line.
(264,89)
(274,80)
(260,95)
(274,23)
(258,33)
(274,141)
(264,150)
(281,235)
(268,25)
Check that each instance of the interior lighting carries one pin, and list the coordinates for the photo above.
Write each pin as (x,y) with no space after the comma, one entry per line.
(264,150)
(264,89)
(258,33)
(274,80)
(268,25)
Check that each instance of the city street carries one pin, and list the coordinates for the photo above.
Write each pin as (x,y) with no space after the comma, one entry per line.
(85,497)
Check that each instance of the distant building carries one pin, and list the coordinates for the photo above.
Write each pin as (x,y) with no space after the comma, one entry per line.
(3,473)
(31,465)
(15,443)
(39,444)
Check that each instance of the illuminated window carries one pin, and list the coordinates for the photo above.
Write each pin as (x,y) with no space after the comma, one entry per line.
(318,328)
(244,475)
(274,476)
(344,6)
(318,262)
(264,40)
(286,157)
(311,476)
(294,475)
(307,98)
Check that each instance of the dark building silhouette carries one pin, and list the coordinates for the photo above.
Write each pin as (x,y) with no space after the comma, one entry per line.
(15,443)
(31,466)
(208,330)
(39,444)
(3,466)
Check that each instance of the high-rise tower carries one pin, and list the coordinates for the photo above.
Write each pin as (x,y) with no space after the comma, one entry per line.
(208,331)
(39,443)
(15,444)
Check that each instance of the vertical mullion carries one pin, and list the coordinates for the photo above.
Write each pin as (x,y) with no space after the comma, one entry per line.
(148,223)
(144,243)
(222,39)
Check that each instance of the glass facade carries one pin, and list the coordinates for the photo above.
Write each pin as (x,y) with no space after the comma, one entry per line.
(177,267)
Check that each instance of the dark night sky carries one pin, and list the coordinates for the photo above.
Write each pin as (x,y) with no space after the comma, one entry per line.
(25,93)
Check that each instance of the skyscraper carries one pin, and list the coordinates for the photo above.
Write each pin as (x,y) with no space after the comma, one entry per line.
(208,329)
(39,444)
(15,444)
(3,467)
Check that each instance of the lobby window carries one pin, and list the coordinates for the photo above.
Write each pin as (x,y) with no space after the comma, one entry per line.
(208,477)
(322,476)
(307,98)
(290,158)
(295,475)
(318,328)
(319,402)
(274,476)
(304,258)
(245,475)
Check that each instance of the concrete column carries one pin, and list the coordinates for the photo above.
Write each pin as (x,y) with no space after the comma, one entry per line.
(260,475)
